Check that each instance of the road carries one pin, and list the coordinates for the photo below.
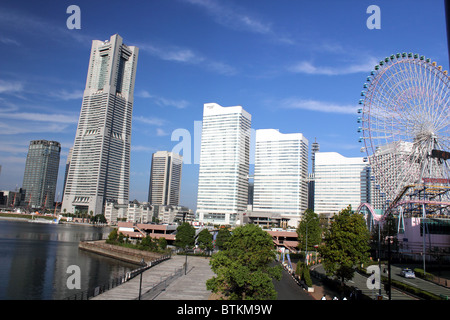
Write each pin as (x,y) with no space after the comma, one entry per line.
(360,281)
(419,283)
(288,289)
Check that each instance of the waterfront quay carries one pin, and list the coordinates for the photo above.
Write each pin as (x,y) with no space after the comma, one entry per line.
(170,280)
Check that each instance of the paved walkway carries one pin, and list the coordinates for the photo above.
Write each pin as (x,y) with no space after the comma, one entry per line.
(167,281)
(191,286)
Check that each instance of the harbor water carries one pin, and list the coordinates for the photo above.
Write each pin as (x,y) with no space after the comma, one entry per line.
(36,260)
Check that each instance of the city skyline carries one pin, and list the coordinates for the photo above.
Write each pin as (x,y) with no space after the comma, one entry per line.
(295,66)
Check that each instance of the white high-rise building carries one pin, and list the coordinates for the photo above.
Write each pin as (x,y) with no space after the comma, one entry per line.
(392,170)
(339,182)
(224,164)
(99,170)
(165,178)
(281,174)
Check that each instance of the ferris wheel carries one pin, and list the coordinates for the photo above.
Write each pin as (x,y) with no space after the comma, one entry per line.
(404,124)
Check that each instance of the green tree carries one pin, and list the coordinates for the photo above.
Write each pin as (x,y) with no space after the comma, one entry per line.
(148,243)
(113,236)
(302,271)
(309,227)
(185,236)
(242,269)
(204,240)
(223,235)
(346,244)
(100,218)
(162,242)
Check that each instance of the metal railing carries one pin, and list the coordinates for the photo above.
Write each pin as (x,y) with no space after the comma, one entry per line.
(92,292)
(152,293)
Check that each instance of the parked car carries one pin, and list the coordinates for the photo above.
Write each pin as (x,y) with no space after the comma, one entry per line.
(408,273)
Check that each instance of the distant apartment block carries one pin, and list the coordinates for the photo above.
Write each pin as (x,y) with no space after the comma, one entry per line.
(224,164)
(281,174)
(99,170)
(165,178)
(391,172)
(41,174)
(339,182)
(144,212)
(11,199)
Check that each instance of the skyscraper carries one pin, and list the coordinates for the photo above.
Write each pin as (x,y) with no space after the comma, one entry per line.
(281,172)
(339,182)
(41,174)
(99,170)
(165,178)
(314,148)
(69,158)
(224,164)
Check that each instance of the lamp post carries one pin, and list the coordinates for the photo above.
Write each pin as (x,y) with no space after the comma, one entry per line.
(140,280)
(185,261)
(389,241)
(306,247)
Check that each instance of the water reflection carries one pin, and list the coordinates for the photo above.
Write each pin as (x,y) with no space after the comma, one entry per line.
(35,258)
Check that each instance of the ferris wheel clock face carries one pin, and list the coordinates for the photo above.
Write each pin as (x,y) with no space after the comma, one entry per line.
(404,123)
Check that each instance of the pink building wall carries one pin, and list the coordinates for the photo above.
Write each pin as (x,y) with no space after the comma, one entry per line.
(412,241)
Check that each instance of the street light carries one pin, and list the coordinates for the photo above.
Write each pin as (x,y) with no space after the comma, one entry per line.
(306,247)
(185,262)
(143,264)
(389,241)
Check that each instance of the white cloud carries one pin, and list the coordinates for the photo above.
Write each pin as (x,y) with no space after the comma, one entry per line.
(319,106)
(346,68)
(9,41)
(187,56)
(238,18)
(31,24)
(66,95)
(161,101)
(151,121)
(161,133)
(10,129)
(40,117)
(14,146)
(171,53)
(10,86)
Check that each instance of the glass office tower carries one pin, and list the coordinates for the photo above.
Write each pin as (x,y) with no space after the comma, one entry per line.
(41,174)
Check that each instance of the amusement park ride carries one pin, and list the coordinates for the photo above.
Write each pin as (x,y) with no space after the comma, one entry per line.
(404,121)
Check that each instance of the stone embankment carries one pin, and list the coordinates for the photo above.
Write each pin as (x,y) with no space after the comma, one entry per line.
(125,254)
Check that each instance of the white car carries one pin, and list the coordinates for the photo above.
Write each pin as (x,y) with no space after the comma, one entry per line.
(408,273)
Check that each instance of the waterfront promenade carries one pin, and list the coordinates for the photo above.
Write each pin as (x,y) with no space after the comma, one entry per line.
(167,281)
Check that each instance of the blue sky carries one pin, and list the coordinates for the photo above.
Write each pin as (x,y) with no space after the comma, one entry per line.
(296,66)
